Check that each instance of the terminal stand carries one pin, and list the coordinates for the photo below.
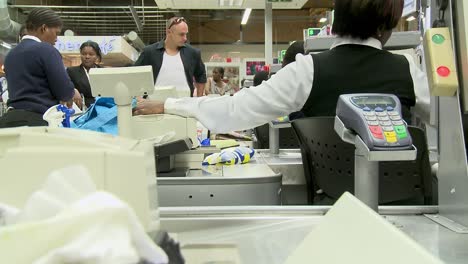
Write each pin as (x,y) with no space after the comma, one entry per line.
(366,164)
(274,128)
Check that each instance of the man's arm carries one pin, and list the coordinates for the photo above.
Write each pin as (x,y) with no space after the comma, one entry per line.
(199,73)
(200,88)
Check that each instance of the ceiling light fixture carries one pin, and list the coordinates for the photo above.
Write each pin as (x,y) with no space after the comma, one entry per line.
(323,20)
(410,18)
(230,3)
(246,16)
(6,45)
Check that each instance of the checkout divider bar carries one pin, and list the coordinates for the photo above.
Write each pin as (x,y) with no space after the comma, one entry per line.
(278,211)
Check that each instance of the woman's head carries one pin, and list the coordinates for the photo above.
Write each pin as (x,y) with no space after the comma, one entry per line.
(44,24)
(293,49)
(218,73)
(90,53)
(259,77)
(367,18)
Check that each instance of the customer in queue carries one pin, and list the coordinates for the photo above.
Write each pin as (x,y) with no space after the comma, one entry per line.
(90,55)
(172,59)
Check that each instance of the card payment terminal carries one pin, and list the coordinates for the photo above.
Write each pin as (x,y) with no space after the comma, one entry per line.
(376,118)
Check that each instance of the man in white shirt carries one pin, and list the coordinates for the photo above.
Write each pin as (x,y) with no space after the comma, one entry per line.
(172,58)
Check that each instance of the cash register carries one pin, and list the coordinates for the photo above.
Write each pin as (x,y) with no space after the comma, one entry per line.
(125,83)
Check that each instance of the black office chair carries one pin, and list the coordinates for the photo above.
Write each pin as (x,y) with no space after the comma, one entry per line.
(330,165)
(287,137)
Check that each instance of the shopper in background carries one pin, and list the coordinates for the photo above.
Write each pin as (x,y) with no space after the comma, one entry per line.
(355,63)
(36,75)
(172,58)
(215,84)
(90,55)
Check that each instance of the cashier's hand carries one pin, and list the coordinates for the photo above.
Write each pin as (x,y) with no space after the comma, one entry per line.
(148,107)
(77,100)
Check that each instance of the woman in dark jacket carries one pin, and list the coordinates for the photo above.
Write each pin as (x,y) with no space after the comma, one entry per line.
(90,54)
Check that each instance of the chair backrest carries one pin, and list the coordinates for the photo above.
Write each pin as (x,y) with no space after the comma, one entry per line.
(331,164)
(287,137)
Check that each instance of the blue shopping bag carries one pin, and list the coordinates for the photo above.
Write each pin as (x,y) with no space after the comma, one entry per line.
(100,116)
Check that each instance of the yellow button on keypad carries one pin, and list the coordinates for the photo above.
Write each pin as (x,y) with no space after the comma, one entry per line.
(391,137)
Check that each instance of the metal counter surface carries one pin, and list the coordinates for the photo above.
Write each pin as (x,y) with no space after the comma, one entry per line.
(246,184)
(270,234)
(287,162)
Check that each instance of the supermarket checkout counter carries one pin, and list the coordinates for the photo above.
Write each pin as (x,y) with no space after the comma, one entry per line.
(248,184)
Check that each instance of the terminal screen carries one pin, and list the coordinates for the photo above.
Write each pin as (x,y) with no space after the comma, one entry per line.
(373,101)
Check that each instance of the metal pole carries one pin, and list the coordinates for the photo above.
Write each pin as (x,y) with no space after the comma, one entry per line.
(274,140)
(366,180)
(268,32)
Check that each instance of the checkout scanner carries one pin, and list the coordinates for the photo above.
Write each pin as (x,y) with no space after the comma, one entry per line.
(125,83)
(122,166)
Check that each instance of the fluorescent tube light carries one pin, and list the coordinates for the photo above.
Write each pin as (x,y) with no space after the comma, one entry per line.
(323,20)
(246,16)
(6,45)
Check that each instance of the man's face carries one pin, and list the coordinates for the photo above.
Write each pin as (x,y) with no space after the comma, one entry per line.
(177,34)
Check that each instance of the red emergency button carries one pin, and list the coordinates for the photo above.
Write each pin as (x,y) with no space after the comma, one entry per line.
(443,71)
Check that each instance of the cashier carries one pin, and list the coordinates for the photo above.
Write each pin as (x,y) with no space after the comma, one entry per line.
(312,84)
(35,72)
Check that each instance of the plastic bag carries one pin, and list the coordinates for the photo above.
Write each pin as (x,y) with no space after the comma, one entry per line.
(100,116)
(230,156)
(82,225)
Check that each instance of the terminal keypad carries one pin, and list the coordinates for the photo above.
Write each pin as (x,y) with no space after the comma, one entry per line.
(385,124)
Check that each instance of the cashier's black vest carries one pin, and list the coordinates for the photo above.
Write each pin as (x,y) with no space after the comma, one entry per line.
(358,69)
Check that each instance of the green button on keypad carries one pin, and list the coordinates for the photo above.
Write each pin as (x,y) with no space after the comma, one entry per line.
(401,131)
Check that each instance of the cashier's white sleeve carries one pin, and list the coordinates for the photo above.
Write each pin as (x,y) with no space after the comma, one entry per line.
(286,92)
(421,88)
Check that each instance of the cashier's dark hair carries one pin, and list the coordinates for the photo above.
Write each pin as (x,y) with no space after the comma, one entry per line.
(365,18)
(42,16)
(94,46)
(296,48)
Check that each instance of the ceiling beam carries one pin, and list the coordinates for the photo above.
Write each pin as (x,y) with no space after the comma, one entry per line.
(81,7)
